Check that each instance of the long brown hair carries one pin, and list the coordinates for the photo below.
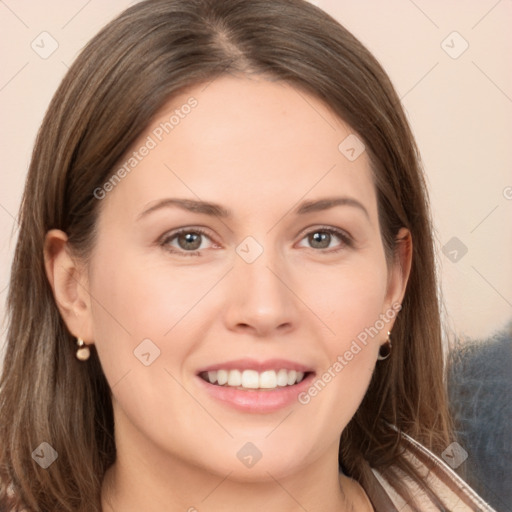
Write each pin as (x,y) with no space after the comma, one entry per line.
(124,75)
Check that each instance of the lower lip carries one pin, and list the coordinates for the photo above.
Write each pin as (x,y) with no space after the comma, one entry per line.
(257,401)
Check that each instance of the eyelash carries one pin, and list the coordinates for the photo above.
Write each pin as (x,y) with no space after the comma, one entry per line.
(342,235)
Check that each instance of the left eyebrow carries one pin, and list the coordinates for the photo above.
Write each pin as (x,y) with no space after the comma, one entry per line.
(329,202)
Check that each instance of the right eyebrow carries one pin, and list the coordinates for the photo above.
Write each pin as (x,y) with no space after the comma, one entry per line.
(190,205)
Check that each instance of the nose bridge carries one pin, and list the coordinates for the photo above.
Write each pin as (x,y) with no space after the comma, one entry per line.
(259,296)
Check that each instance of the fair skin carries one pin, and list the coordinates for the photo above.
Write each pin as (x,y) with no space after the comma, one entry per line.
(257,148)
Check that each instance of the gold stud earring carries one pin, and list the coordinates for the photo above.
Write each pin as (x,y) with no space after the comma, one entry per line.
(385,349)
(83,351)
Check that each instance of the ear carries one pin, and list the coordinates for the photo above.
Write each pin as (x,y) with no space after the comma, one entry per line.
(69,283)
(399,270)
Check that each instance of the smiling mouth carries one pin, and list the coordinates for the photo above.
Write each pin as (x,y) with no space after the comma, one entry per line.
(247,380)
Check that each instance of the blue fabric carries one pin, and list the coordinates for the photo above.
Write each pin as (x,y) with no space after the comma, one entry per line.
(480,392)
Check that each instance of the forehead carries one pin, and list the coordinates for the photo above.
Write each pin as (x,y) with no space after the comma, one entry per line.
(245,143)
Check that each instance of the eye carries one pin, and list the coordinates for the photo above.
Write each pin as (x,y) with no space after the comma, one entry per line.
(185,242)
(190,241)
(321,238)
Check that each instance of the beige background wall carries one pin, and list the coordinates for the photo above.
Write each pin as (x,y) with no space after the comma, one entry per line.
(458,99)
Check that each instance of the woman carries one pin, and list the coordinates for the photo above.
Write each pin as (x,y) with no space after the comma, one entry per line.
(223,295)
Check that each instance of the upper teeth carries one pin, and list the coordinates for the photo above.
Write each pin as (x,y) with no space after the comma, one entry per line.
(252,379)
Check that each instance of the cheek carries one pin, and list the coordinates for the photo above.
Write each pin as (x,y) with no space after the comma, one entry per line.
(138,299)
(348,299)
(139,312)
(349,303)
(135,299)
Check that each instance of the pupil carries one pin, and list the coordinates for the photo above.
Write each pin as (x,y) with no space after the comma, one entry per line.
(321,238)
(191,241)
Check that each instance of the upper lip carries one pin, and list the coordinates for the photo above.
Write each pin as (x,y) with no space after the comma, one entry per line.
(259,366)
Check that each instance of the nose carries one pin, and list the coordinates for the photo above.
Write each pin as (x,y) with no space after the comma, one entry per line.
(260,297)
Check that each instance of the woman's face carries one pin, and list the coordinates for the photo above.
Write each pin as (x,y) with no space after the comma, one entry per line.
(286,273)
